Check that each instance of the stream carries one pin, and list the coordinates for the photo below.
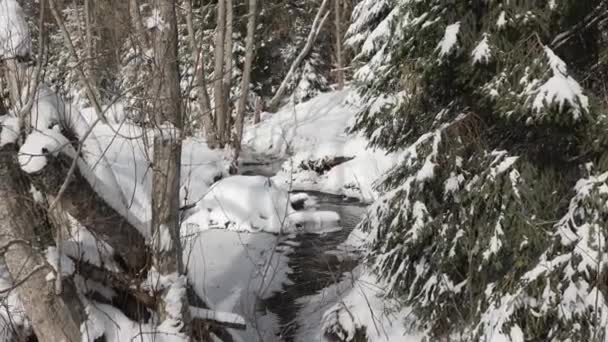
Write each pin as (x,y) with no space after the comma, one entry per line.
(314,259)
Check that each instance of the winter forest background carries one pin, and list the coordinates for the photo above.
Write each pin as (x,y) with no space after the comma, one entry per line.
(304,170)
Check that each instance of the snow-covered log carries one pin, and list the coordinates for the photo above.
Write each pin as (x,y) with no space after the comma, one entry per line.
(83,203)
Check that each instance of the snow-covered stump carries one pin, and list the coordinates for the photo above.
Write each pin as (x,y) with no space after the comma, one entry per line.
(53,317)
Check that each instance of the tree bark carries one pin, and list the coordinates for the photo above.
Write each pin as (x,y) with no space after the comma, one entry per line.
(317,24)
(200,82)
(242,104)
(339,63)
(228,63)
(218,72)
(138,25)
(167,116)
(53,317)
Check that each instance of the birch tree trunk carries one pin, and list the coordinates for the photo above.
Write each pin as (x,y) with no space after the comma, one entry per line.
(218,72)
(315,29)
(167,117)
(339,63)
(242,104)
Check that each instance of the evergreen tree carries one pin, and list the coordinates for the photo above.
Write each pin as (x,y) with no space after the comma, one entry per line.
(496,117)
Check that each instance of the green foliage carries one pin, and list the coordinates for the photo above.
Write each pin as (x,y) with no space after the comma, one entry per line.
(494,120)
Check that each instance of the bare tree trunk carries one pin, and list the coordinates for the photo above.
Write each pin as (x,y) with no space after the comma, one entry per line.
(53,317)
(259,106)
(339,63)
(228,63)
(317,24)
(167,153)
(218,72)
(16,77)
(249,52)
(138,25)
(198,64)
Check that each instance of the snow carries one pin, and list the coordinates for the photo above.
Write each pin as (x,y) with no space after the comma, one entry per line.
(502,20)
(9,130)
(48,109)
(12,314)
(53,258)
(217,316)
(128,155)
(81,244)
(255,204)
(105,320)
(482,52)
(15,39)
(244,203)
(233,272)
(356,302)
(317,130)
(560,89)
(155,21)
(32,154)
(450,38)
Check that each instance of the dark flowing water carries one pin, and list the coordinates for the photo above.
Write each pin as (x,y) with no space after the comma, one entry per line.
(314,259)
(315,262)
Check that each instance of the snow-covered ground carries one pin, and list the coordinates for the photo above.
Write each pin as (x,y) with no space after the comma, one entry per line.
(234,262)
(315,132)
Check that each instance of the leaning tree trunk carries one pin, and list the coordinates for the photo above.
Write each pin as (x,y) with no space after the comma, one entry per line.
(167,116)
(249,52)
(317,24)
(54,317)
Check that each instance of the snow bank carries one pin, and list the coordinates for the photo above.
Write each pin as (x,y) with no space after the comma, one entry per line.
(316,131)
(234,271)
(255,204)
(125,151)
(244,203)
(15,39)
(356,303)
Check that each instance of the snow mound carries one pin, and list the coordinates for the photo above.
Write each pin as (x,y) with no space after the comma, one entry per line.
(357,303)
(33,153)
(244,203)
(15,39)
(9,130)
(255,204)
